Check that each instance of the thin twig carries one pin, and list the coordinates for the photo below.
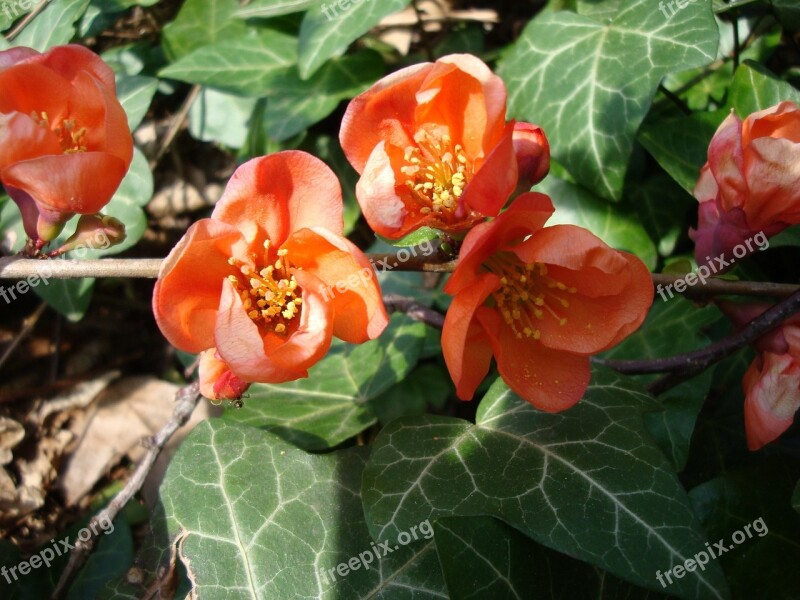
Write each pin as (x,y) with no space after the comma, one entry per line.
(682,106)
(27,327)
(691,363)
(175,125)
(415,310)
(27,19)
(186,400)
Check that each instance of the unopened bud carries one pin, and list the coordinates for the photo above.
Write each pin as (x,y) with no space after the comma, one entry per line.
(533,154)
(94,232)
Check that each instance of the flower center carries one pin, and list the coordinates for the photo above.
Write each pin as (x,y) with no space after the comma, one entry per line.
(70,136)
(436,172)
(270,295)
(528,295)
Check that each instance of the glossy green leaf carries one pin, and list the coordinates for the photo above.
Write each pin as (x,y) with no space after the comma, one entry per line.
(221,117)
(672,327)
(263,519)
(272,8)
(248,63)
(663,209)
(588,482)
(617,227)
(755,88)
(427,386)
(53,26)
(135,94)
(332,404)
(483,557)
(680,145)
(201,23)
(590,83)
(296,104)
(749,511)
(788,12)
(329,28)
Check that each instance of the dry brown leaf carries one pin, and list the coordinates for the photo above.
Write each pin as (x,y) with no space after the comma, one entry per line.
(132,409)
(11,434)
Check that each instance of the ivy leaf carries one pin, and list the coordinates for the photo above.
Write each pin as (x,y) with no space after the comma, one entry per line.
(483,557)
(588,482)
(672,327)
(201,23)
(788,13)
(54,26)
(663,208)
(264,9)
(328,29)
(332,404)
(590,83)
(680,145)
(135,92)
(263,519)
(617,227)
(297,104)
(749,510)
(249,63)
(756,88)
(221,117)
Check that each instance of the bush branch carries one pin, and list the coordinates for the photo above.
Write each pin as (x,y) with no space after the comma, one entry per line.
(684,366)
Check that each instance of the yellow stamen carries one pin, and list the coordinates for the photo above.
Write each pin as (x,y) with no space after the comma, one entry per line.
(527,295)
(270,295)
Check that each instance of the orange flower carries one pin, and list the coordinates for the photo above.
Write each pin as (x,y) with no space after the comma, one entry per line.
(541,300)
(433,147)
(772,382)
(262,285)
(64,139)
(751,182)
